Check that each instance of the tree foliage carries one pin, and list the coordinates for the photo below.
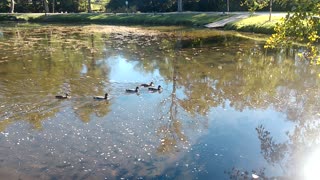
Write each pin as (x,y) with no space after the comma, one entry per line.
(4,6)
(172,5)
(23,6)
(300,25)
(141,5)
(254,5)
(36,6)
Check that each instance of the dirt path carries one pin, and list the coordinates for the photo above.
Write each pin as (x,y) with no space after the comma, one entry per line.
(222,23)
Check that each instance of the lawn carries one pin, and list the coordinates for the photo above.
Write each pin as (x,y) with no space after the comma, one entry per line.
(258,24)
(184,19)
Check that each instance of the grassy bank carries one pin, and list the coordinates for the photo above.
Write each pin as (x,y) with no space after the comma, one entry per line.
(185,19)
(257,24)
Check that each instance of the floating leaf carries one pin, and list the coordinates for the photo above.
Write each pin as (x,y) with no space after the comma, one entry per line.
(254,176)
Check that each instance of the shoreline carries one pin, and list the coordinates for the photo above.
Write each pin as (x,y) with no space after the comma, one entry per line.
(183,19)
(256,24)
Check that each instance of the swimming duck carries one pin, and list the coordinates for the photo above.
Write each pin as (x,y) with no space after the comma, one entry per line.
(63,97)
(147,85)
(132,90)
(155,89)
(105,97)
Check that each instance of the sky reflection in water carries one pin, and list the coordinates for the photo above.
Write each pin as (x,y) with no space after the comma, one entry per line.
(227,109)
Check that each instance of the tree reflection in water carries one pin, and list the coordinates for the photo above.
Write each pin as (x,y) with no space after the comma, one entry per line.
(171,132)
(203,76)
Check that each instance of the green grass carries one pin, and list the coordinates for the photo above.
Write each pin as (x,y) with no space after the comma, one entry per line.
(191,19)
(18,17)
(257,24)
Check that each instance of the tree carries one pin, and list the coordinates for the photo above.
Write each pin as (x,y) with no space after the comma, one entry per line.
(4,6)
(254,5)
(53,3)
(179,5)
(46,7)
(270,11)
(228,8)
(300,25)
(89,6)
(12,6)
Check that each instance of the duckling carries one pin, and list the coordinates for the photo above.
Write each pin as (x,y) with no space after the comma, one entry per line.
(63,97)
(105,97)
(155,89)
(147,85)
(133,90)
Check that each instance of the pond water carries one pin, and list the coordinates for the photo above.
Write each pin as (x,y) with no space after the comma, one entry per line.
(228,108)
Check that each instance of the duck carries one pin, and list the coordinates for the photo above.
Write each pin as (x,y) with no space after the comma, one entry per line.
(155,89)
(105,97)
(147,85)
(133,90)
(63,97)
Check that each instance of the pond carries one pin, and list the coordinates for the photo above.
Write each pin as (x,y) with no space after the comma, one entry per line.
(228,108)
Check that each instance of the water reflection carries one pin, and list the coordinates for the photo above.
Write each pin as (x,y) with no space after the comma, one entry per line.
(228,109)
(311,164)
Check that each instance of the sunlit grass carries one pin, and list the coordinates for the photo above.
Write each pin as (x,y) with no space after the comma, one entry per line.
(191,33)
(258,24)
(185,19)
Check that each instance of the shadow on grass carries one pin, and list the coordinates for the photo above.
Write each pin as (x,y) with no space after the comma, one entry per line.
(199,19)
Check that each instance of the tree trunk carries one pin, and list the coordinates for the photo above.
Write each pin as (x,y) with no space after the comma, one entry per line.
(12,6)
(228,5)
(153,7)
(53,3)
(46,7)
(89,6)
(179,5)
(270,10)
